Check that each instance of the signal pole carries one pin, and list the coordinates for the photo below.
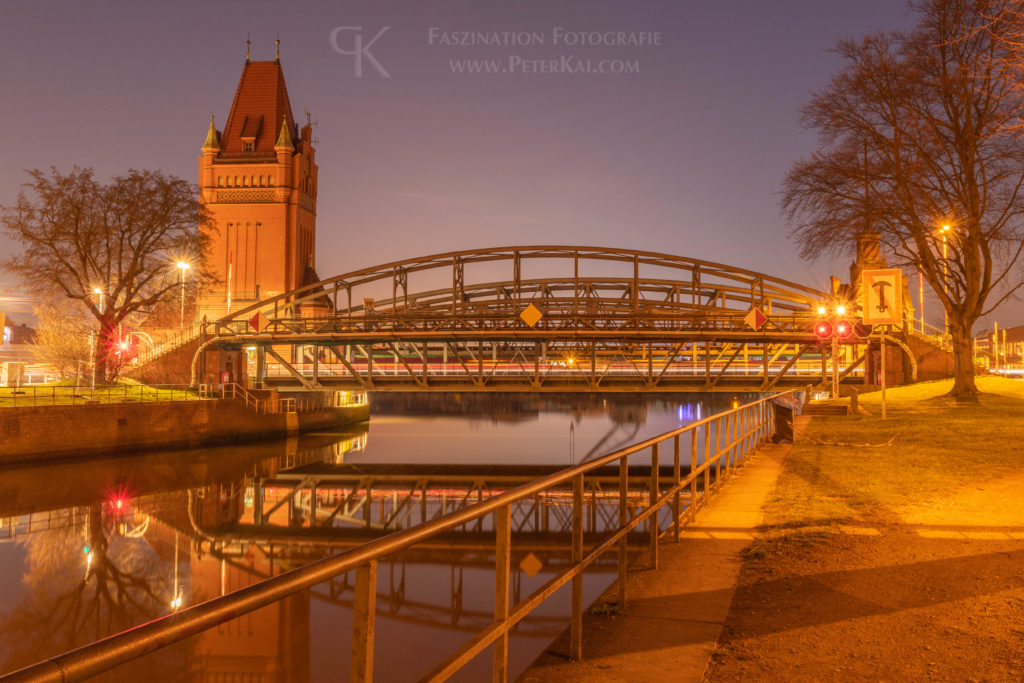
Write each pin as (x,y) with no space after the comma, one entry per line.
(835,366)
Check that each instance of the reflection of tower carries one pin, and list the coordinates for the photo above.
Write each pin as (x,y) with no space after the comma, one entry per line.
(271,644)
(258,180)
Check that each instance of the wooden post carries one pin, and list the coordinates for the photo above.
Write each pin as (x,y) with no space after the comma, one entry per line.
(502,568)
(364,607)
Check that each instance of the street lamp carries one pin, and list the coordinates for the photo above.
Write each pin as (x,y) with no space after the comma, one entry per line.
(183,266)
(945,277)
(99,292)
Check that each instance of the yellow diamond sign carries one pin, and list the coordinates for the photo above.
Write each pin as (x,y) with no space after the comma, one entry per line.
(531,564)
(531,315)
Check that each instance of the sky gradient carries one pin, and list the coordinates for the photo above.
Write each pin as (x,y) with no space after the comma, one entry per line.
(686,156)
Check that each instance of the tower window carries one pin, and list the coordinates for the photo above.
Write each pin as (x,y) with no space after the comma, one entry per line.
(247,146)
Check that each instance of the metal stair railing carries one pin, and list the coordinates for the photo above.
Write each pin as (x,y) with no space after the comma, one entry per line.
(168,344)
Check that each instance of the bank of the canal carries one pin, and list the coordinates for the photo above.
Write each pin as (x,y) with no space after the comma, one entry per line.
(34,433)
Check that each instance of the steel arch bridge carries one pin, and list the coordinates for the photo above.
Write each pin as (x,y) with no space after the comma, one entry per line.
(531,318)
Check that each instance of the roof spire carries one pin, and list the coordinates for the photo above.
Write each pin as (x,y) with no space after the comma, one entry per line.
(284,139)
(247,44)
(277,44)
(212,141)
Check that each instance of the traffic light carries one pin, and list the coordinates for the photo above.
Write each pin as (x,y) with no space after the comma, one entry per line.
(833,324)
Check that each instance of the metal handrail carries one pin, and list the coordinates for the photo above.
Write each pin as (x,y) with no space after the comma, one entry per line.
(54,395)
(168,344)
(746,427)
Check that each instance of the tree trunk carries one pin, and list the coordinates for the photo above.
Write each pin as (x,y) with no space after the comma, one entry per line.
(102,352)
(963,360)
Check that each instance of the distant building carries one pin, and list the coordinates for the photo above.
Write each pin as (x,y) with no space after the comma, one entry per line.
(258,179)
(15,334)
(1011,343)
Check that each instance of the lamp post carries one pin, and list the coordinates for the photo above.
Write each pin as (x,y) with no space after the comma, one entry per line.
(945,279)
(920,295)
(183,266)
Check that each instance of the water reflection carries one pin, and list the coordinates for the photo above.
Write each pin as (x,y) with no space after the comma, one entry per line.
(88,549)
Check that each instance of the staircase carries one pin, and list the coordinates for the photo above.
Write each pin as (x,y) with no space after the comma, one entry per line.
(167,344)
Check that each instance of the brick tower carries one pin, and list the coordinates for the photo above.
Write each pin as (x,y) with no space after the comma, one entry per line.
(258,180)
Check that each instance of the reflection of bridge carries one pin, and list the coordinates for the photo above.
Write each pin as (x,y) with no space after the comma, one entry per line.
(532,319)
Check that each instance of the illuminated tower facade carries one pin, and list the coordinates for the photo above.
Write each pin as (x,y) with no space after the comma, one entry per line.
(258,181)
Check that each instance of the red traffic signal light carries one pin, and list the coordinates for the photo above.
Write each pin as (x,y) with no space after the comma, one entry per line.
(843,329)
(823,329)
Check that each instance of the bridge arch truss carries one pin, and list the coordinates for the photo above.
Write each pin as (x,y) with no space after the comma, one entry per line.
(533,318)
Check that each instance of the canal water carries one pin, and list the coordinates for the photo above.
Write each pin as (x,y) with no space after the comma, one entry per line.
(90,548)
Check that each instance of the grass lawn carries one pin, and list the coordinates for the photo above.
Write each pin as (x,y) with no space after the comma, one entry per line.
(940,445)
(62,394)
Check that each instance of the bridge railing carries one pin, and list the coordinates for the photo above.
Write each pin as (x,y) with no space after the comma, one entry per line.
(736,433)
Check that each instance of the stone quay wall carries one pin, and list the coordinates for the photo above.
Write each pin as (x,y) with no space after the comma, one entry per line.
(32,434)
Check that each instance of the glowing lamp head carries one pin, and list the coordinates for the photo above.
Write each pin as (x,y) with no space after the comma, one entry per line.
(184,266)
(945,228)
(97,291)
(823,329)
(843,329)
(840,309)
(822,310)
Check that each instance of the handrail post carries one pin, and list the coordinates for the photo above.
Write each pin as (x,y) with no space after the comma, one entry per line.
(502,568)
(707,461)
(718,452)
(731,424)
(692,507)
(623,520)
(653,519)
(364,608)
(576,624)
(675,485)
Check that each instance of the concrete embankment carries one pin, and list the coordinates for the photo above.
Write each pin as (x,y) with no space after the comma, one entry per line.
(31,434)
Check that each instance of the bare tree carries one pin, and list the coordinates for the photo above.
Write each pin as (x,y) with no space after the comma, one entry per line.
(62,337)
(113,247)
(917,131)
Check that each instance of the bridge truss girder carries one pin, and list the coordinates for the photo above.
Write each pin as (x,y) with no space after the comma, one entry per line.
(661,322)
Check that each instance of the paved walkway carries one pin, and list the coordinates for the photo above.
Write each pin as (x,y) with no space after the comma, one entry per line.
(674,615)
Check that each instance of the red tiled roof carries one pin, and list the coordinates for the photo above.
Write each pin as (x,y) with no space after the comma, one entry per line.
(261,101)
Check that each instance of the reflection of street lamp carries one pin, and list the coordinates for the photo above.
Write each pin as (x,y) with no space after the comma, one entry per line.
(183,266)
(945,278)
